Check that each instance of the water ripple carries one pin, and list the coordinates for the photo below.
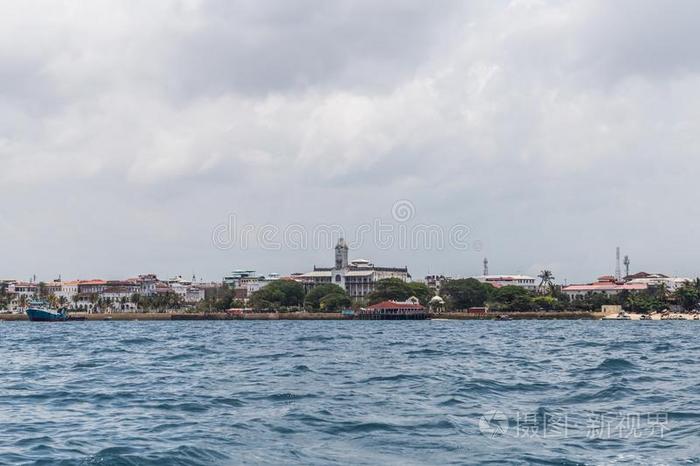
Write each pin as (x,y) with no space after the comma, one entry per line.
(200,393)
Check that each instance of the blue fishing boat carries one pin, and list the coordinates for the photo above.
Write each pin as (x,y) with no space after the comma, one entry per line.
(40,311)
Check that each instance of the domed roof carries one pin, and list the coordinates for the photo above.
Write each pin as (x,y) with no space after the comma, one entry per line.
(437,300)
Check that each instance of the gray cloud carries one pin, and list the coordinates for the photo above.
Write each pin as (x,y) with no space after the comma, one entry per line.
(555,130)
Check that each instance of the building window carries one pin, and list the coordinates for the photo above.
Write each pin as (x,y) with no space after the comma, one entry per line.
(337,278)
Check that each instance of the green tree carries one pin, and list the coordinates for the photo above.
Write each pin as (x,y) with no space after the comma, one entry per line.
(94,299)
(393,289)
(421,291)
(688,295)
(465,293)
(546,303)
(335,301)
(4,296)
(512,298)
(317,293)
(279,294)
(546,282)
(23,301)
(43,291)
(52,300)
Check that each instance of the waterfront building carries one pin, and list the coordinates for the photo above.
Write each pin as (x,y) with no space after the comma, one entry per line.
(657,280)
(119,297)
(68,290)
(358,277)
(238,277)
(247,282)
(606,285)
(411,309)
(28,289)
(498,281)
(88,287)
(435,282)
(147,284)
(187,292)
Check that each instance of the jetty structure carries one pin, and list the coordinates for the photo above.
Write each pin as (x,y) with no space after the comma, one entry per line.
(410,309)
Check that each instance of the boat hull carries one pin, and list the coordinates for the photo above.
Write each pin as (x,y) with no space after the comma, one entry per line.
(42,315)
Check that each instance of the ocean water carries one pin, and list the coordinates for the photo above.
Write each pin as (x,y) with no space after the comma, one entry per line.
(324,392)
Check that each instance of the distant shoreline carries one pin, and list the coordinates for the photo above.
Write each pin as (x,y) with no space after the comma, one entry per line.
(181,316)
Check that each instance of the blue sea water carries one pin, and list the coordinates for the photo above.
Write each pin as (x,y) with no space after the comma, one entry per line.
(325,392)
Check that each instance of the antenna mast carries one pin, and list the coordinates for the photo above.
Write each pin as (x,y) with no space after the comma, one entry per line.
(486,266)
(618,272)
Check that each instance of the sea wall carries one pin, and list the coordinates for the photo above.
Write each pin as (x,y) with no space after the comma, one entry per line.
(304,316)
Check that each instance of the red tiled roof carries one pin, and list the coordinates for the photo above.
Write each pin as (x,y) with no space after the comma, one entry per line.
(395,305)
(607,285)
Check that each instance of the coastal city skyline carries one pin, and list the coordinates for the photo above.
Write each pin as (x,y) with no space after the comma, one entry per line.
(473,269)
(359,280)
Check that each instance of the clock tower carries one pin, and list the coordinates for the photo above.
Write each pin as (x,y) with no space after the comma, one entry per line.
(341,255)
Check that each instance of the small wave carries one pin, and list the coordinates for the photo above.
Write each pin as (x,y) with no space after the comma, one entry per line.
(33,441)
(234,402)
(663,347)
(612,393)
(188,407)
(614,365)
(137,341)
(450,402)
(288,396)
(426,351)
(302,368)
(390,378)
(360,427)
(184,455)
(315,338)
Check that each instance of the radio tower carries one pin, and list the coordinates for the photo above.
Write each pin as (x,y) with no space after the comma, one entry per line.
(618,272)
(486,266)
(627,266)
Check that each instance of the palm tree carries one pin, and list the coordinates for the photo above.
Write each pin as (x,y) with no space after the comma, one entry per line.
(93,298)
(23,301)
(53,300)
(546,281)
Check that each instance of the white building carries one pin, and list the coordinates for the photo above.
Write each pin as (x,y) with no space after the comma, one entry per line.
(657,280)
(606,285)
(357,277)
(68,290)
(523,281)
(249,281)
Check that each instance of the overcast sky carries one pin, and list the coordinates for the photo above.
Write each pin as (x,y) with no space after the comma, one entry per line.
(554,130)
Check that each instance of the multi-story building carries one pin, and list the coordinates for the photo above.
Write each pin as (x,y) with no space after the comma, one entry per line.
(69,289)
(657,280)
(523,281)
(147,284)
(357,277)
(606,285)
(247,282)
(19,289)
(88,287)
